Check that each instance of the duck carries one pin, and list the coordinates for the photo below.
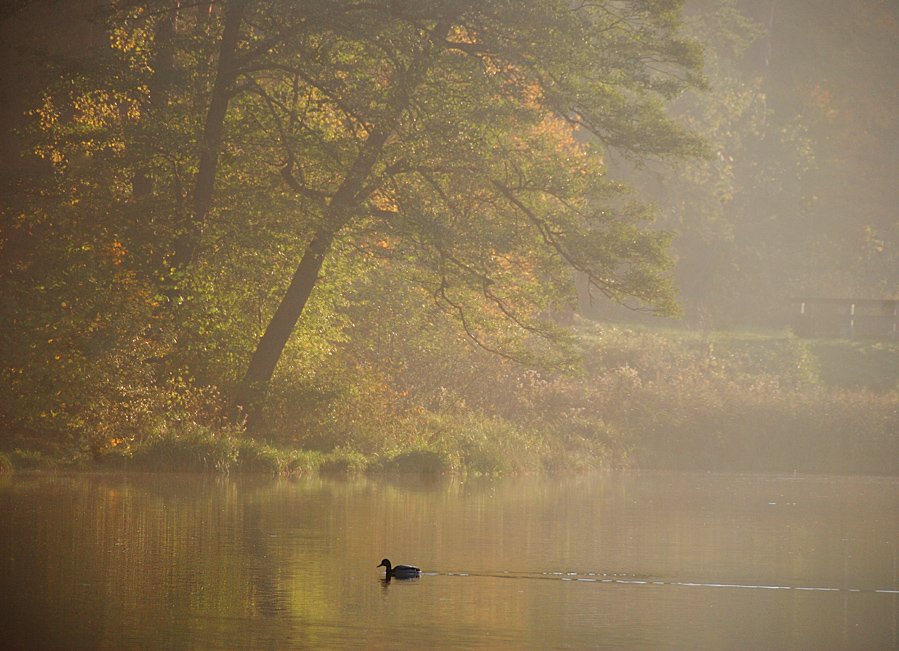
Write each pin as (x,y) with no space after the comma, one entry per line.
(400,571)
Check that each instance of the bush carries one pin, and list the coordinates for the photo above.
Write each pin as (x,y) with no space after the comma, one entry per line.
(256,457)
(426,461)
(342,462)
(34,460)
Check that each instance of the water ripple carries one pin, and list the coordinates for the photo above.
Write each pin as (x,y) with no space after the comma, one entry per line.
(622,579)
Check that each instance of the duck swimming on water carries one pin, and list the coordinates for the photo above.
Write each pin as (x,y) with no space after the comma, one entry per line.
(400,571)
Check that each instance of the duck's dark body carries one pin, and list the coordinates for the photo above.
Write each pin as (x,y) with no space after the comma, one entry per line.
(400,571)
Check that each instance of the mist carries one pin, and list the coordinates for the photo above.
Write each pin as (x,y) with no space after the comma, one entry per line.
(581,315)
(691,278)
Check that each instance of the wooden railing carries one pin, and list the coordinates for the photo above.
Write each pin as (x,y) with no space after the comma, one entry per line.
(847,317)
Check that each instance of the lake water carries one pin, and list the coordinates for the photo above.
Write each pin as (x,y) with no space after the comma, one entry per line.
(603,561)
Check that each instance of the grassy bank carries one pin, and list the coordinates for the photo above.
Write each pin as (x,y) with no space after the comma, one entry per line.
(749,401)
(642,398)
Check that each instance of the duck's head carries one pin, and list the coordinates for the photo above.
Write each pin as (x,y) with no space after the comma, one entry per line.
(385,563)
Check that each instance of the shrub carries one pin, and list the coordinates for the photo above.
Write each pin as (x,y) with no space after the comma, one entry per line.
(33,460)
(342,462)
(423,460)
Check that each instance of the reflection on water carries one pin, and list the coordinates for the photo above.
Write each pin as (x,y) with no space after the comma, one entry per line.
(617,560)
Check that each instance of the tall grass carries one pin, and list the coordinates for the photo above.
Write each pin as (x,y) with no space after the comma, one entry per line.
(737,403)
(641,398)
(194,448)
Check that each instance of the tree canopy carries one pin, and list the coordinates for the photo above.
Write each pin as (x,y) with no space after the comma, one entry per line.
(216,171)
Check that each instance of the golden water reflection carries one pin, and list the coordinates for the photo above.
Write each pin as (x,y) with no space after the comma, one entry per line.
(616,560)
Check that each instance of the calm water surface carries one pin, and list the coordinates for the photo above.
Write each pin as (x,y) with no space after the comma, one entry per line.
(616,560)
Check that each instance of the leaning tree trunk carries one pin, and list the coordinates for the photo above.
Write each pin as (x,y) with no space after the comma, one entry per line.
(346,202)
(271,345)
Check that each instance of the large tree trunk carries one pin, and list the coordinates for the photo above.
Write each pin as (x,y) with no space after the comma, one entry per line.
(268,351)
(271,345)
(344,204)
